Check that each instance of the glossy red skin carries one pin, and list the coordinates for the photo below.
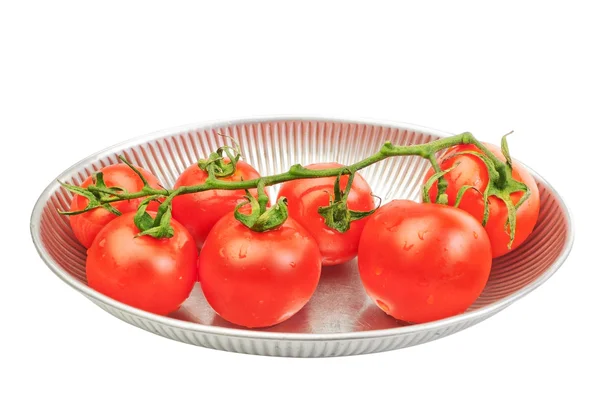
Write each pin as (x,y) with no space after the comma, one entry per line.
(258,279)
(154,275)
(423,262)
(87,225)
(199,212)
(305,196)
(472,171)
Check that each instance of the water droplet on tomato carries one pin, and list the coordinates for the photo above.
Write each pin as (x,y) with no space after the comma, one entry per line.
(378,271)
(430,299)
(383,306)
(261,302)
(422,234)
(102,243)
(423,282)
(407,246)
(293,264)
(475,235)
(244,250)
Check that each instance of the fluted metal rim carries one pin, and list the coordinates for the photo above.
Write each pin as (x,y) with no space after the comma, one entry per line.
(482,312)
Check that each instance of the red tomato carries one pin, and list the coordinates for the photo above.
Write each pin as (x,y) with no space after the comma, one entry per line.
(471,170)
(305,196)
(258,279)
(87,225)
(422,262)
(155,275)
(199,212)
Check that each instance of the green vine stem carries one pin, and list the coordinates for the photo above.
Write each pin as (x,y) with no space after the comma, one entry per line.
(500,173)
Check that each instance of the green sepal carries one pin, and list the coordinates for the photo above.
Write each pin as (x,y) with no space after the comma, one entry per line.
(337,215)
(158,227)
(248,219)
(142,219)
(99,194)
(262,219)
(504,148)
(110,208)
(273,218)
(461,193)
(429,183)
(137,171)
(99,188)
(94,199)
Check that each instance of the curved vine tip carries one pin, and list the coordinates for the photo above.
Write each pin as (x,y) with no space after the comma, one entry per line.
(337,215)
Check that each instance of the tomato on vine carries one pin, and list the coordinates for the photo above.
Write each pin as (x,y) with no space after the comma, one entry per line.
(86,225)
(152,274)
(307,196)
(423,262)
(466,169)
(258,270)
(200,211)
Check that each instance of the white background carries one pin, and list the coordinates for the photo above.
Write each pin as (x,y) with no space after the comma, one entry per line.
(76,78)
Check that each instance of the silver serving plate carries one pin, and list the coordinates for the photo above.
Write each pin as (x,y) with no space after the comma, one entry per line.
(340,319)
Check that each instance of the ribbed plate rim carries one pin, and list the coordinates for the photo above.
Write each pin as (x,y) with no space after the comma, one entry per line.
(488,310)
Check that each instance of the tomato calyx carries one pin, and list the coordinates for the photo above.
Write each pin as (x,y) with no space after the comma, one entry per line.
(219,166)
(261,218)
(158,227)
(96,194)
(99,194)
(337,215)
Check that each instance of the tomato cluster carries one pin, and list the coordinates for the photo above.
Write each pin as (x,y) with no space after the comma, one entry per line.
(419,262)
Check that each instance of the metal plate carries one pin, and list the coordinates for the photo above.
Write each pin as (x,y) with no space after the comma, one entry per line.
(339,319)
